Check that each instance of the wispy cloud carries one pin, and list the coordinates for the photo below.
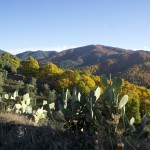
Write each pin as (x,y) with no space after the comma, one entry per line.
(146,48)
(50,48)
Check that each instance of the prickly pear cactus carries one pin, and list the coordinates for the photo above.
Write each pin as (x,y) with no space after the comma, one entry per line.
(83,107)
(24,105)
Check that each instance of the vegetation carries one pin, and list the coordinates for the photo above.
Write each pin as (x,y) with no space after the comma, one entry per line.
(46,107)
(105,60)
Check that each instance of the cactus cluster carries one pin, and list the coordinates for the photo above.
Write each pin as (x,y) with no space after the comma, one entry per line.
(99,109)
(92,108)
(39,114)
(104,108)
(28,107)
(24,106)
(7,101)
(83,110)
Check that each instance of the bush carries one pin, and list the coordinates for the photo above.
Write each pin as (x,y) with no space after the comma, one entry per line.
(133,110)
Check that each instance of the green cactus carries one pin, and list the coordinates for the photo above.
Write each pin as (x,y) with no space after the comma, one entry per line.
(104,80)
(82,108)
(123,102)
(143,129)
(48,106)
(97,93)
(15,94)
(24,106)
(65,98)
(113,109)
(52,106)
(132,121)
(6,96)
(8,101)
(39,114)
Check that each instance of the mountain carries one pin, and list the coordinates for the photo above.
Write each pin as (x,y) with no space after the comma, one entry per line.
(133,66)
(87,56)
(1,51)
(36,54)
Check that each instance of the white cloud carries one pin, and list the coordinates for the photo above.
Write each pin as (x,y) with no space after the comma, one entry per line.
(145,48)
(51,48)
(142,48)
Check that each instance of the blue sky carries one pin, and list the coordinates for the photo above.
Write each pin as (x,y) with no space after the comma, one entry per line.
(61,24)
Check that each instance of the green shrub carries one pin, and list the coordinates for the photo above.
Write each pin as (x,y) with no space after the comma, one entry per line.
(133,110)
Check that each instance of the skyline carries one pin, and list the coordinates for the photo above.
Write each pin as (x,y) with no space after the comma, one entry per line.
(59,25)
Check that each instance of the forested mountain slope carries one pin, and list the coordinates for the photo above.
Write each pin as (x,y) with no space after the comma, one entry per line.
(36,54)
(98,59)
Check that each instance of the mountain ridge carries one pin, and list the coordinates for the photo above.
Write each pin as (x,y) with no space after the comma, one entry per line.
(39,54)
(111,48)
(100,59)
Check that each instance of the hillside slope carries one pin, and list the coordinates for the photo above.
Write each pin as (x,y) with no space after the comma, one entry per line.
(89,54)
(1,51)
(98,59)
(36,54)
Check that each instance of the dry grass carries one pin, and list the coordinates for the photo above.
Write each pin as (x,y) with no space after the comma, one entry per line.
(14,119)
(19,133)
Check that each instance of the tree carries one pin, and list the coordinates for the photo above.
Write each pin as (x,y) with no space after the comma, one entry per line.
(14,61)
(48,70)
(9,62)
(30,67)
(88,81)
(82,87)
(63,83)
(85,83)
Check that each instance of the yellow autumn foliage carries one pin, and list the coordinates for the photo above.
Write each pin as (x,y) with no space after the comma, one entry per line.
(30,67)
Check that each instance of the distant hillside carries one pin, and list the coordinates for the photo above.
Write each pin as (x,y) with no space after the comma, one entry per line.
(134,66)
(98,59)
(36,54)
(1,51)
(89,54)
